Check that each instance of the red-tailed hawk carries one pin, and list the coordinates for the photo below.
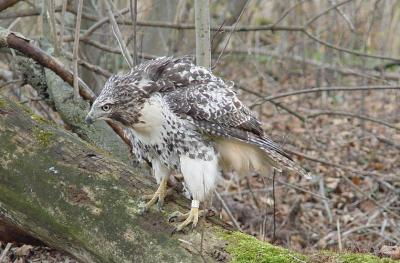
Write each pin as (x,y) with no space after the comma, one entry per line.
(182,118)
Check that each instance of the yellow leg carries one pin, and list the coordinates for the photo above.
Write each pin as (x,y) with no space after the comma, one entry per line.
(158,196)
(191,217)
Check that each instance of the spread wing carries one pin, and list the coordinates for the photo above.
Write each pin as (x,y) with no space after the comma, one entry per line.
(215,103)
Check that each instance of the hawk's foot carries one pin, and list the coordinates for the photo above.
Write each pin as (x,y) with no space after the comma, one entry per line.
(158,196)
(191,217)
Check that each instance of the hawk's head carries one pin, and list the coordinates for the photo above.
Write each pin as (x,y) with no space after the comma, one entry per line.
(121,99)
(123,96)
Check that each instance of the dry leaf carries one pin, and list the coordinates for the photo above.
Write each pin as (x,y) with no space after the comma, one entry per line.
(391,251)
(23,251)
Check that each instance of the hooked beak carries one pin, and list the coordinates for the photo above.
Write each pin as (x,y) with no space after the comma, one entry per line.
(89,119)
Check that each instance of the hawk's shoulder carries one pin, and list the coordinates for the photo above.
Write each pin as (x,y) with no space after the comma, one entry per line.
(214,102)
(194,91)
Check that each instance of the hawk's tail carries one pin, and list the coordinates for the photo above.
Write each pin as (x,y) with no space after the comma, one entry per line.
(278,155)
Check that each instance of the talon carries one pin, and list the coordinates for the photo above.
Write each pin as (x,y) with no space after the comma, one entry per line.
(158,196)
(174,215)
(174,231)
(160,205)
(189,218)
(146,197)
(143,210)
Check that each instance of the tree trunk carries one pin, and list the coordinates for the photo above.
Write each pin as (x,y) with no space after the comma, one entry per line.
(202,18)
(73,196)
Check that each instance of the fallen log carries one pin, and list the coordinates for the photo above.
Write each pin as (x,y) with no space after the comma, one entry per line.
(75,197)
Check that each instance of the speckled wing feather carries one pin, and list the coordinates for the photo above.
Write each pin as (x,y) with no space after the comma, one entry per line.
(213,103)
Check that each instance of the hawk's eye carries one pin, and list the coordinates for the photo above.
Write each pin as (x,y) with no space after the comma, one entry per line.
(106,107)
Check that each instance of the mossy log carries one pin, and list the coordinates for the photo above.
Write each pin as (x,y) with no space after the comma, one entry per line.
(73,196)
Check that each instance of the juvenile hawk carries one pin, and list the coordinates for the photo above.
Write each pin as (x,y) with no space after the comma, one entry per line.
(182,118)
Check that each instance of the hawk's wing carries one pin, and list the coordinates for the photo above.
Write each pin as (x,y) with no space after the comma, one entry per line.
(215,103)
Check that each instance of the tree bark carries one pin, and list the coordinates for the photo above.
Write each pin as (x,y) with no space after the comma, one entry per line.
(75,197)
(202,18)
(4,4)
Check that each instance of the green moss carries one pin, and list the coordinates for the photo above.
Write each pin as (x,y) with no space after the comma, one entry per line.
(262,21)
(245,248)
(2,103)
(362,258)
(43,137)
(39,119)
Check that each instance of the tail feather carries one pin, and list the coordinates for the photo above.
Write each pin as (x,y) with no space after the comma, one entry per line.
(274,151)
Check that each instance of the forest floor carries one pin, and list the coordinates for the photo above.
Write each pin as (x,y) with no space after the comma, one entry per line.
(353,201)
(22,253)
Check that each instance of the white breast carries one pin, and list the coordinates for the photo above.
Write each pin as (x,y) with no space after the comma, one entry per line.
(150,126)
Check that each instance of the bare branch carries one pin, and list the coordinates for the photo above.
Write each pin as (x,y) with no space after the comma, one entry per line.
(76,47)
(287,12)
(106,48)
(352,115)
(4,4)
(228,211)
(118,35)
(304,91)
(346,18)
(230,34)
(133,9)
(313,19)
(52,22)
(64,9)
(346,50)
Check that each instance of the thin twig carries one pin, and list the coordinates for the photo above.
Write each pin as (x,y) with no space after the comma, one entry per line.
(313,19)
(287,12)
(343,70)
(303,190)
(118,35)
(324,201)
(303,91)
(10,82)
(346,18)
(106,48)
(134,20)
(94,68)
(346,50)
(62,27)
(230,34)
(277,104)
(274,206)
(53,29)
(376,203)
(339,237)
(228,211)
(5,251)
(325,162)
(352,115)
(75,50)
(14,23)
